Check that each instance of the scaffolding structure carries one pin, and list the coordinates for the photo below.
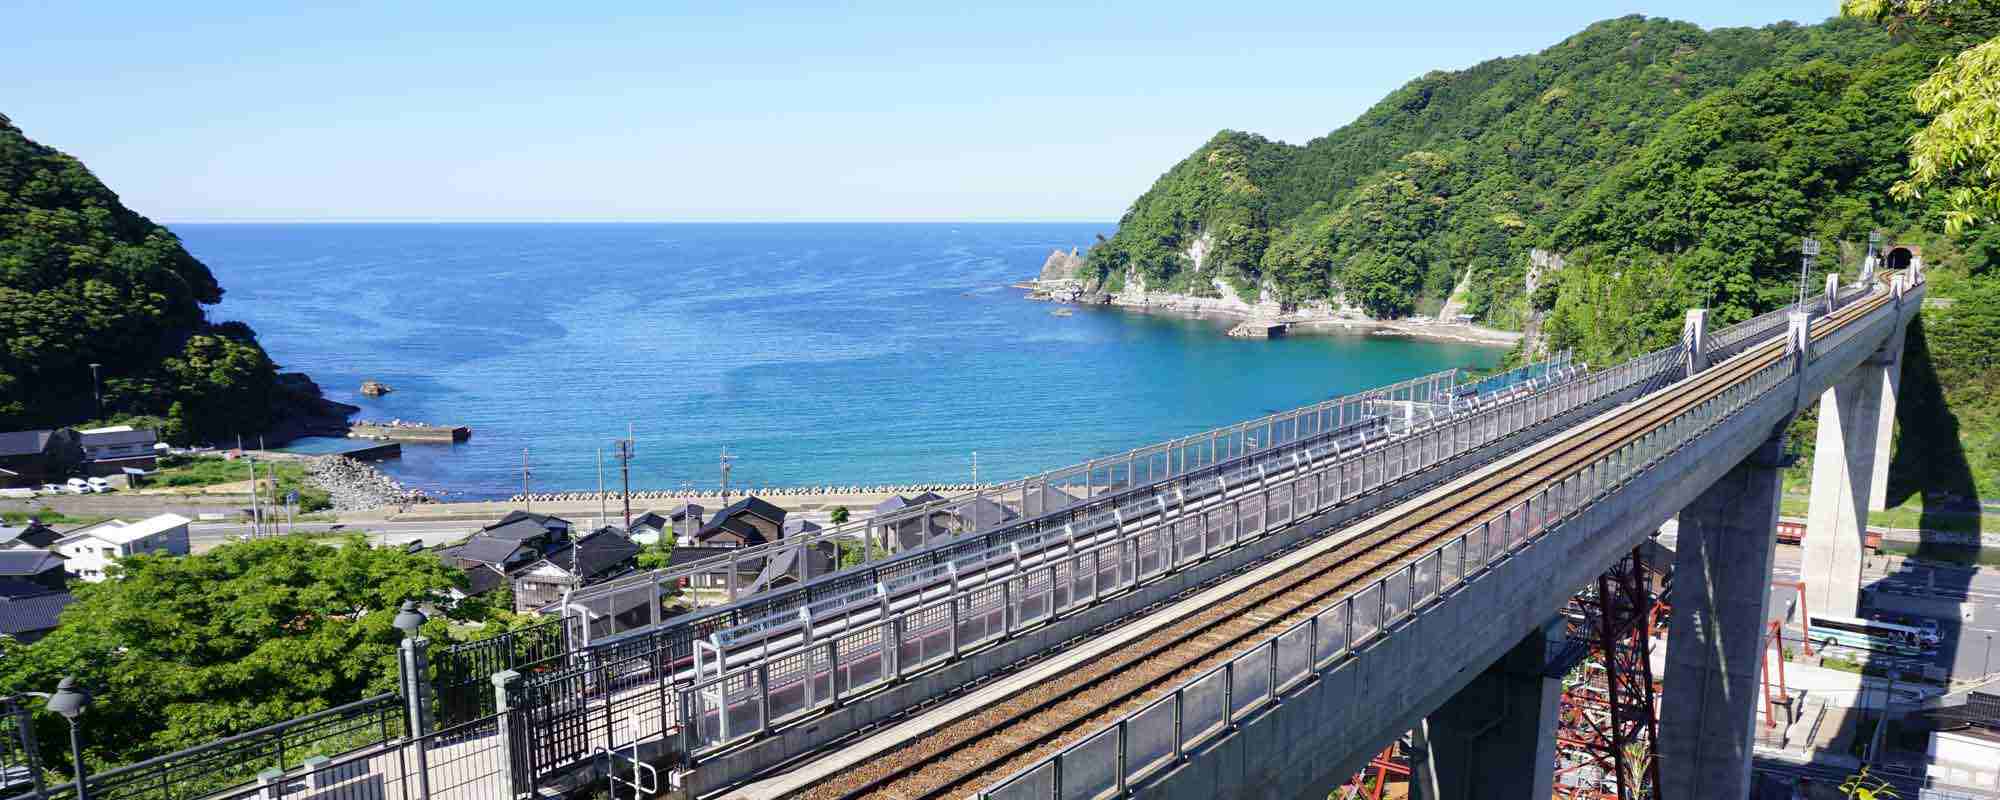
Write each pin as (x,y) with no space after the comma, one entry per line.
(1608,725)
(1394,760)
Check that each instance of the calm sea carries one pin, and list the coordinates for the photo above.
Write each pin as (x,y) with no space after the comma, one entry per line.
(814,353)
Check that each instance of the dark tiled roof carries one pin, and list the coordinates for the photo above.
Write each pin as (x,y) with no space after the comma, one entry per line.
(32,534)
(41,612)
(926,497)
(798,525)
(28,562)
(22,443)
(480,579)
(728,519)
(485,549)
(894,503)
(142,436)
(688,509)
(753,505)
(517,531)
(601,551)
(17,588)
(981,513)
(651,520)
(544,520)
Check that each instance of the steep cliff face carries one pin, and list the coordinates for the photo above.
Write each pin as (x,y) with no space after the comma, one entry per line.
(1061,265)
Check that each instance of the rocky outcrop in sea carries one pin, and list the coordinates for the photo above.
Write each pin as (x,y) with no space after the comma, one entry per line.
(358,486)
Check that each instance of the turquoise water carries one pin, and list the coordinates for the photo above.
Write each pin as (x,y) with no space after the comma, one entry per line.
(323,445)
(835,353)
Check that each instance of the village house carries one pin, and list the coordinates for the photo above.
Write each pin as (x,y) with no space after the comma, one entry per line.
(112,450)
(32,458)
(92,549)
(745,523)
(601,555)
(31,535)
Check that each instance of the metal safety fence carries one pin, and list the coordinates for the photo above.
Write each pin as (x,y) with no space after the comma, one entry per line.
(809,661)
(793,572)
(1105,763)
(459,762)
(463,671)
(236,761)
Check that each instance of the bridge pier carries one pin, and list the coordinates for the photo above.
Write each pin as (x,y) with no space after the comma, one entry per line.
(1845,453)
(1722,575)
(1495,738)
(1885,427)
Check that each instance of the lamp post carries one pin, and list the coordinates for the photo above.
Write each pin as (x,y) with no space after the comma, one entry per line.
(1988,669)
(69,701)
(416,686)
(95,391)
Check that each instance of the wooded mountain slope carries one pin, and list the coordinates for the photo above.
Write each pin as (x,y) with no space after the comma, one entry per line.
(84,279)
(1672,167)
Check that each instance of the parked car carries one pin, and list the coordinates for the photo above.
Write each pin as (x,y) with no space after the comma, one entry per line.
(77,486)
(99,485)
(52,488)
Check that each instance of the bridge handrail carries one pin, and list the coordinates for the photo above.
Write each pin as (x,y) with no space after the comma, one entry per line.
(1232,436)
(1222,444)
(1352,475)
(1256,677)
(1030,534)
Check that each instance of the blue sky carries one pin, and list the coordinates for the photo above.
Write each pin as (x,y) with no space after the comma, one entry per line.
(674,111)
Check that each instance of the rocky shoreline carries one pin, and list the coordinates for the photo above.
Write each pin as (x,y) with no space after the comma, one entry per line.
(1056,284)
(358,485)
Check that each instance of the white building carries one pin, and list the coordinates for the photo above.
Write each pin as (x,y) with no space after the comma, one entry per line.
(91,549)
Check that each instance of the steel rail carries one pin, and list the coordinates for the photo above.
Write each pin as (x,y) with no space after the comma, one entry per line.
(1410,536)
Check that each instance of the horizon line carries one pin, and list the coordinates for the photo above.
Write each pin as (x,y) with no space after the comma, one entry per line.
(615,221)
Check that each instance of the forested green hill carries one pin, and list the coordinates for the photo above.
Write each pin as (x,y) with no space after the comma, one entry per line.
(84,279)
(1673,168)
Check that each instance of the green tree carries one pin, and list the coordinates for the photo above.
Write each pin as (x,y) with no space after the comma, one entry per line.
(183,650)
(840,515)
(658,554)
(1957,153)
(84,280)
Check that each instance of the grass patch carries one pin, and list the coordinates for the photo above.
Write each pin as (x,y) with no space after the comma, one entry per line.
(198,471)
(1947,553)
(1911,515)
(50,516)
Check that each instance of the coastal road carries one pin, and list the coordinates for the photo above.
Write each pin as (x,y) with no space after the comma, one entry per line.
(1964,600)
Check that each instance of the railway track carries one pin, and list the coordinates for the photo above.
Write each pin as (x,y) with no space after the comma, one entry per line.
(993,742)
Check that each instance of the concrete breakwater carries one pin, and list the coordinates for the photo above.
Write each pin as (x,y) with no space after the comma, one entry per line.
(357,486)
(399,430)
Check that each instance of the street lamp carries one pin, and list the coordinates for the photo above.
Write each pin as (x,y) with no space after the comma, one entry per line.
(69,701)
(408,618)
(95,389)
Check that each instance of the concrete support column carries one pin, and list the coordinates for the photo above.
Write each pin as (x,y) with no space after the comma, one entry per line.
(1885,428)
(1496,738)
(1722,582)
(1694,335)
(1843,471)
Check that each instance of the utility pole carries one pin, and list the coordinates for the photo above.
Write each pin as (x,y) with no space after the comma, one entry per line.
(726,458)
(256,514)
(600,490)
(625,450)
(527,500)
(1808,253)
(96,389)
(975,468)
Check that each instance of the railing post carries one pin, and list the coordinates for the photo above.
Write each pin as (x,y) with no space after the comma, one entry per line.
(503,693)
(271,784)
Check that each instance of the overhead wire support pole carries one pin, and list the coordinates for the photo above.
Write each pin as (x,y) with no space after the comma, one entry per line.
(626,450)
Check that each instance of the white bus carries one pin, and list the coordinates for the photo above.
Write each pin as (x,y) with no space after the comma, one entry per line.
(1867,634)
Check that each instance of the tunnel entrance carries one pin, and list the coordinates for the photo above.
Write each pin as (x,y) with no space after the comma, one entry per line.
(1899,258)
